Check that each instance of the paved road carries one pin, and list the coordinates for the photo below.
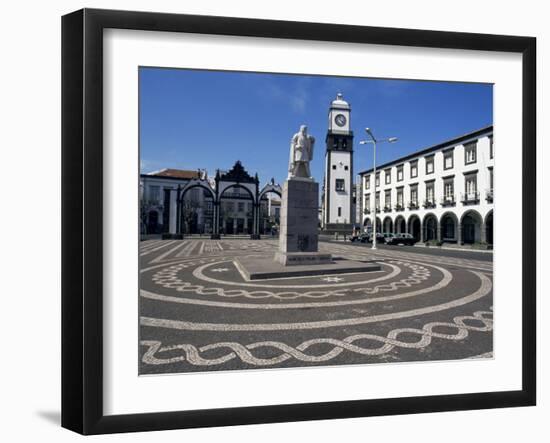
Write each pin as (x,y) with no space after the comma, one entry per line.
(469,255)
(198,313)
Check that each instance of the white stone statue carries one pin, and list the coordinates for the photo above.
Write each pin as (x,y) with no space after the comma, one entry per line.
(301,153)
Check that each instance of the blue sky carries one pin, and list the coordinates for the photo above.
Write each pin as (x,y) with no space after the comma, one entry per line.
(193,119)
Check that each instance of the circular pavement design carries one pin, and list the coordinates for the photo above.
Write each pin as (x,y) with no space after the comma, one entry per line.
(197,312)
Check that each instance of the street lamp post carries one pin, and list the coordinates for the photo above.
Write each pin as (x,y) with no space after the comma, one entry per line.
(374,141)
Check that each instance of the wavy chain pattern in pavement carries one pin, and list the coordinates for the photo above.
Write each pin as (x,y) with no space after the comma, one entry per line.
(245,354)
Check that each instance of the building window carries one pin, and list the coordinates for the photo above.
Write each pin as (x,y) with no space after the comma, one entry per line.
(471,183)
(377,201)
(333,166)
(340,185)
(377,180)
(448,191)
(430,192)
(448,159)
(490,146)
(471,195)
(367,182)
(399,198)
(414,169)
(489,193)
(154,193)
(339,211)
(414,197)
(387,174)
(387,200)
(367,201)
(430,165)
(470,153)
(346,168)
(400,173)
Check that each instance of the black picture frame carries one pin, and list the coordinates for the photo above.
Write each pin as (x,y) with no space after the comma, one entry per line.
(82,231)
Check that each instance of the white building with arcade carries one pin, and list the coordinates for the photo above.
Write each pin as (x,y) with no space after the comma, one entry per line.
(441,194)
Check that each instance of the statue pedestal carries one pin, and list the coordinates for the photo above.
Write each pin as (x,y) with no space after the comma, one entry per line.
(302,258)
(299,237)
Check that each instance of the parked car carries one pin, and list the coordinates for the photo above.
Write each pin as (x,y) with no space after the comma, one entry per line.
(401,239)
(387,236)
(364,237)
(379,237)
(354,237)
(360,237)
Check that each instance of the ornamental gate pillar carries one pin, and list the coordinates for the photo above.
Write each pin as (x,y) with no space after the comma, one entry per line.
(256,222)
(216,221)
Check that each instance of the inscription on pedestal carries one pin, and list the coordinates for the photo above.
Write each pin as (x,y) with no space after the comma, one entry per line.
(299,239)
(299,216)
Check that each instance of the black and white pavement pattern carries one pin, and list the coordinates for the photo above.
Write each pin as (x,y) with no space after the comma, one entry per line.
(198,313)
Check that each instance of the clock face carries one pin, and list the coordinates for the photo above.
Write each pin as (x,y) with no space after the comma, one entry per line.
(340,120)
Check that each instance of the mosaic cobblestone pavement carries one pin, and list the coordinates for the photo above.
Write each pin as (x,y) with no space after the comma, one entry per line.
(197,313)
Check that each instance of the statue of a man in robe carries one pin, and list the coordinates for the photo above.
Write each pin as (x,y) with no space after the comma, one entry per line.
(301,153)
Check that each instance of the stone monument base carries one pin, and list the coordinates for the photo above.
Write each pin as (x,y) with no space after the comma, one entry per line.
(264,267)
(302,258)
(299,237)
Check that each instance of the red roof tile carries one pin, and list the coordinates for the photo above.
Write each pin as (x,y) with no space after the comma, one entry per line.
(175,173)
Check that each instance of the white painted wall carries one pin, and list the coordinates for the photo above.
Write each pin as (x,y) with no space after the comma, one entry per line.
(340,199)
(30,383)
(162,183)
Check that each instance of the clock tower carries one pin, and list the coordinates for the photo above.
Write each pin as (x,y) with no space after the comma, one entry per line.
(338,209)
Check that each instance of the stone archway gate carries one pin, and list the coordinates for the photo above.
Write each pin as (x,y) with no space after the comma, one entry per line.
(237,177)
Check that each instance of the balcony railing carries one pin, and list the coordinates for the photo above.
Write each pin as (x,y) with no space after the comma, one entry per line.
(489,195)
(399,207)
(387,208)
(470,198)
(413,205)
(428,203)
(378,209)
(366,211)
(448,200)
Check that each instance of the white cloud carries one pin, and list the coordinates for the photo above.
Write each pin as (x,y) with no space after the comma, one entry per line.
(299,101)
(296,97)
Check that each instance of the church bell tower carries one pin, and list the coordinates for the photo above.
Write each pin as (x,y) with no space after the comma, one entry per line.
(338,210)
